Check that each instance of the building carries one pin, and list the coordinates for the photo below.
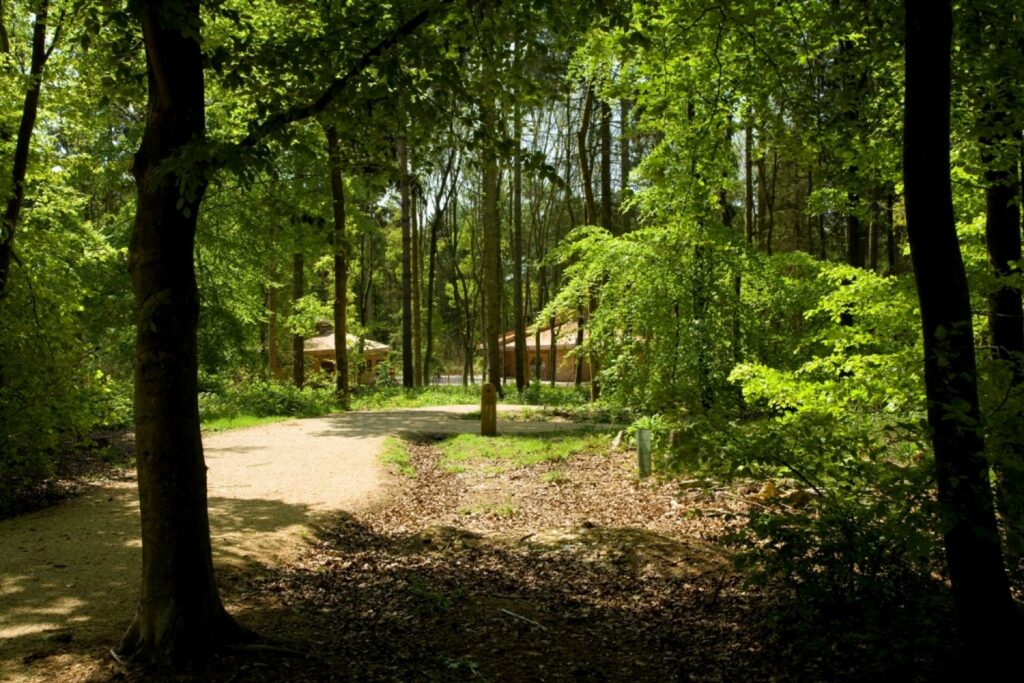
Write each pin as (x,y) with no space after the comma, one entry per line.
(565,365)
(319,353)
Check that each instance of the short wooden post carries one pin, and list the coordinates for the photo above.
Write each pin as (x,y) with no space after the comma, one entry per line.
(643,452)
(488,410)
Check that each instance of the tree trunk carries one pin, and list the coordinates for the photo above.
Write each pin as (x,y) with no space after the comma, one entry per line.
(19,165)
(890,234)
(491,257)
(874,231)
(273,352)
(417,287)
(519,315)
(553,351)
(854,254)
(298,341)
(980,589)
(586,175)
(180,614)
(340,268)
(625,164)
(748,172)
(762,200)
(605,131)
(408,373)
(428,355)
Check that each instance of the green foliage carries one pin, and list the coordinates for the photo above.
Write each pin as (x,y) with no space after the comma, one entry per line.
(861,355)
(265,399)
(379,397)
(541,394)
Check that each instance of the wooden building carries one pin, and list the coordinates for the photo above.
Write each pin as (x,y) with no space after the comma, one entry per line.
(319,353)
(565,365)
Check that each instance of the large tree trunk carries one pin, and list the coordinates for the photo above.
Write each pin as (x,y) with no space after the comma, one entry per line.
(980,588)
(19,165)
(408,372)
(340,267)
(180,613)
(519,315)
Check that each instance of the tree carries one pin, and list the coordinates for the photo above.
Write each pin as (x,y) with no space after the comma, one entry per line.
(340,266)
(980,587)
(180,612)
(19,164)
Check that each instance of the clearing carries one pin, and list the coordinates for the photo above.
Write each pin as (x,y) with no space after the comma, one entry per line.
(537,556)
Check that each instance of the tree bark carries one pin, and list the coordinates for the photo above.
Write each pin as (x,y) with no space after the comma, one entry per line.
(408,372)
(980,589)
(491,256)
(605,131)
(273,351)
(298,291)
(416,219)
(748,183)
(180,614)
(625,163)
(586,175)
(340,267)
(19,165)
(519,315)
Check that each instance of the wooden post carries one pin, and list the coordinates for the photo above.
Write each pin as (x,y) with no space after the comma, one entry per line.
(488,410)
(643,452)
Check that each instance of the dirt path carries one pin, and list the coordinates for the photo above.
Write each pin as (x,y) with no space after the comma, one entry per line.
(70,573)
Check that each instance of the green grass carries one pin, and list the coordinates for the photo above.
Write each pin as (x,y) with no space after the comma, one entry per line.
(499,453)
(220,424)
(498,509)
(557,477)
(383,398)
(395,453)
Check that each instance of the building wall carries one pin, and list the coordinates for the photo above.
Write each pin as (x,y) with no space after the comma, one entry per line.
(565,367)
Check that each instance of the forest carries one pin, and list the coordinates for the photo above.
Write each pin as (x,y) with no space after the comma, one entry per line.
(784,236)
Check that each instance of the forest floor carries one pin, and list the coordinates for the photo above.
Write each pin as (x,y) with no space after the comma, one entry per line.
(569,570)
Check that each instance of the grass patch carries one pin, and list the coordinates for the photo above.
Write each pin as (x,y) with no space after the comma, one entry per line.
(497,453)
(395,453)
(220,424)
(384,397)
(557,477)
(498,509)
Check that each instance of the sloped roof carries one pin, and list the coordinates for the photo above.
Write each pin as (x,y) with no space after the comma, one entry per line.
(565,337)
(325,342)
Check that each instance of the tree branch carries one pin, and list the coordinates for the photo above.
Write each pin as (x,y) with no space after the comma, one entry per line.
(302,112)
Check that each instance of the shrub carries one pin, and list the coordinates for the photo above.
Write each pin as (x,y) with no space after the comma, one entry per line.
(264,399)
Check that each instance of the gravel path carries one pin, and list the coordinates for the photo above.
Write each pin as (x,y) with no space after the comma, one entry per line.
(71,572)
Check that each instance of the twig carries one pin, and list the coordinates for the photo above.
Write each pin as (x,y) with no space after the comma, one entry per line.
(542,627)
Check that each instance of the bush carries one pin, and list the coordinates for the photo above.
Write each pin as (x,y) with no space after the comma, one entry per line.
(265,399)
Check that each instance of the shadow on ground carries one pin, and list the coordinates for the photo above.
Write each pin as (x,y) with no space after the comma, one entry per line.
(80,600)
(451,420)
(445,604)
